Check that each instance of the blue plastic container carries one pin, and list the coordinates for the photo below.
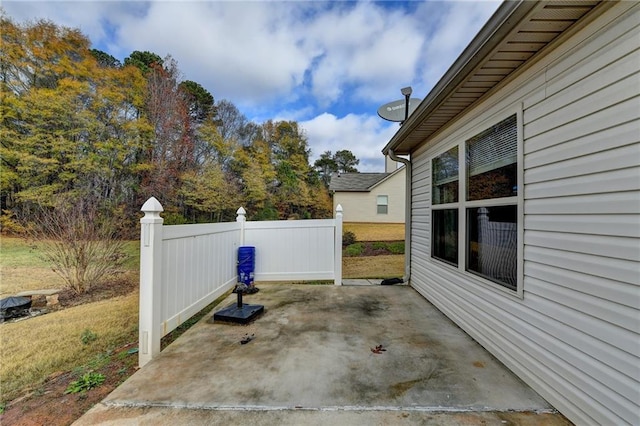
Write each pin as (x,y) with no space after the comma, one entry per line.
(246,264)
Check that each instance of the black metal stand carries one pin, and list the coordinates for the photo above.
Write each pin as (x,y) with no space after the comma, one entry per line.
(240,313)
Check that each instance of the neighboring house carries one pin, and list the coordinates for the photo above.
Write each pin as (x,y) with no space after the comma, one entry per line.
(371,197)
(525,200)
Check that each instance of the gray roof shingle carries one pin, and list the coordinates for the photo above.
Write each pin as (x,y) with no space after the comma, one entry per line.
(355,182)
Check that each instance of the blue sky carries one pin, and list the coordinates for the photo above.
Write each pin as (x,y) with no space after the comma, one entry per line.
(327,65)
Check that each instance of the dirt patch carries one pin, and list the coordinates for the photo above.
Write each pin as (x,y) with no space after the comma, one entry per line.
(120,286)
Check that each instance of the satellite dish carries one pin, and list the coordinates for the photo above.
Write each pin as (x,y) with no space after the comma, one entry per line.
(394,111)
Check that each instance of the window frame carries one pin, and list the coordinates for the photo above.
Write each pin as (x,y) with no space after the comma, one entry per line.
(386,205)
(462,205)
(452,205)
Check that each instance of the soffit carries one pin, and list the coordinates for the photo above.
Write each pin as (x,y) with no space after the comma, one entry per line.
(514,34)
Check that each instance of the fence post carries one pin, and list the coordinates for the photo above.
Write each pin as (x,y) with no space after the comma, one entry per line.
(150,281)
(241,219)
(338,247)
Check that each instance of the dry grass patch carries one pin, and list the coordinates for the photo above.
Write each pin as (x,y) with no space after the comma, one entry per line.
(17,252)
(22,268)
(386,266)
(14,279)
(376,231)
(33,349)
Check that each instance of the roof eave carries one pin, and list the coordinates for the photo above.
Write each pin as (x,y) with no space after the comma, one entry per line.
(501,23)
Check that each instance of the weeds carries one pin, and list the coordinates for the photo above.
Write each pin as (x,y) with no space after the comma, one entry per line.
(88,336)
(100,360)
(87,381)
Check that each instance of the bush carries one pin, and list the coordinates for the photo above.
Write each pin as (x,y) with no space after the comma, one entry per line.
(354,249)
(348,238)
(379,245)
(396,248)
(80,242)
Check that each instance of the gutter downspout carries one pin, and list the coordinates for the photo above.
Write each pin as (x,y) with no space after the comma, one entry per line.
(407,214)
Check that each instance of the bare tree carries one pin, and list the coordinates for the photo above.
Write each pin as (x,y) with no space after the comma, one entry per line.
(81,244)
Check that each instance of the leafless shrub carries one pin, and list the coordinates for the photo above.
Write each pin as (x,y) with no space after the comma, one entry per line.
(79,242)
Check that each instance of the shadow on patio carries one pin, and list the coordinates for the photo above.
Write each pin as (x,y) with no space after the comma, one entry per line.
(311,362)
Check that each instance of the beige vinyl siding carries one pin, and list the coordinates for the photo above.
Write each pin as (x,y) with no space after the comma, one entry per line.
(575,334)
(362,206)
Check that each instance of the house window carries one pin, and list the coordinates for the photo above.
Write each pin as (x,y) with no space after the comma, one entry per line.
(444,244)
(489,205)
(383,204)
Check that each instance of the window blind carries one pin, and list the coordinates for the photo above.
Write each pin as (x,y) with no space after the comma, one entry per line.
(494,148)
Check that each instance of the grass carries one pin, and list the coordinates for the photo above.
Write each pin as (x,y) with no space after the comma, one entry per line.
(84,335)
(34,349)
(22,268)
(387,266)
(376,231)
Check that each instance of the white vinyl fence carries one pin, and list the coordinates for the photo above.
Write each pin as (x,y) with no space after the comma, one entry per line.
(183,268)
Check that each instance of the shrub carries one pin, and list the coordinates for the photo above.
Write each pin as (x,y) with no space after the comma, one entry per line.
(379,245)
(354,249)
(348,238)
(396,248)
(79,241)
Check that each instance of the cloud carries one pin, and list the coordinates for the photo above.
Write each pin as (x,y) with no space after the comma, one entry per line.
(265,54)
(328,65)
(451,26)
(96,19)
(364,48)
(363,135)
(245,51)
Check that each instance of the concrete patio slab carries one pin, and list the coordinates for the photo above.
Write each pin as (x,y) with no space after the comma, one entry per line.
(312,359)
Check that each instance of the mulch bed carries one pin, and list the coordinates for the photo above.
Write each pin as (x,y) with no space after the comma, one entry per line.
(370,248)
(120,286)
